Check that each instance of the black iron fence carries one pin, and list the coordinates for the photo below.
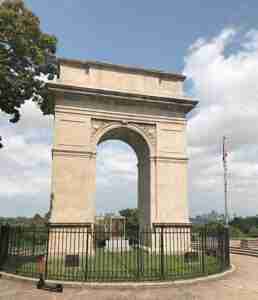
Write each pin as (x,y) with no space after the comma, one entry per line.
(79,253)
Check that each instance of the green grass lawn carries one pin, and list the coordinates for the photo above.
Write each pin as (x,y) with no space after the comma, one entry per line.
(131,265)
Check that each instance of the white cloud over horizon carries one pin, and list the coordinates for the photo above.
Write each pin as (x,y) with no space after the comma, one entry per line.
(25,170)
(223,71)
(225,81)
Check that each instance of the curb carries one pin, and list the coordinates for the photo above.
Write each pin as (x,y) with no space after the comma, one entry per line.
(122,285)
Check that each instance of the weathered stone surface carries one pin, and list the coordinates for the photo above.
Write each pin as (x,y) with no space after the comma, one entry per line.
(144,108)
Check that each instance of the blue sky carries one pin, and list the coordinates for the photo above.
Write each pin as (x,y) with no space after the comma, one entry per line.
(148,33)
(215,43)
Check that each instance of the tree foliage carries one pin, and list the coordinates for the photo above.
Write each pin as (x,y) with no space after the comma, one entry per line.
(235,233)
(36,220)
(132,216)
(27,59)
(246,225)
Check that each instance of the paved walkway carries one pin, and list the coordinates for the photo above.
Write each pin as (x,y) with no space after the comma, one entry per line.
(242,284)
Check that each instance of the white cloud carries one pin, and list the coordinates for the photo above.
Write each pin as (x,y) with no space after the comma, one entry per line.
(116,177)
(116,157)
(224,73)
(25,163)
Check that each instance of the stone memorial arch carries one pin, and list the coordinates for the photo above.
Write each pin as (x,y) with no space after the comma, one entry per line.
(147,109)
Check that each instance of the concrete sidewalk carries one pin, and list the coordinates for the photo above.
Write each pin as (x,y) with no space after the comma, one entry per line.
(242,284)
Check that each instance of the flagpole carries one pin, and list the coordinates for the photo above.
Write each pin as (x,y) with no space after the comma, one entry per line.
(225,181)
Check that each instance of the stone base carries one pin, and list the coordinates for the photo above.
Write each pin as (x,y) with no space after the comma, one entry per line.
(65,241)
(169,240)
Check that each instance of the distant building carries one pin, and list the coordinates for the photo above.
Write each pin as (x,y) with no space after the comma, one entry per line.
(112,224)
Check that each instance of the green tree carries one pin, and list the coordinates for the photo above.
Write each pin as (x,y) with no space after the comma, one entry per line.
(132,216)
(38,220)
(235,232)
(253,232)
(245,223)
(27,59)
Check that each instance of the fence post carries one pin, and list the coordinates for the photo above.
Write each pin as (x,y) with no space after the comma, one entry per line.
(34,240)
(203,247)
(1,243)
(87,253)
(5,235)
(227,247)
(47,253)
(162,265)
(139,253)
(220,237)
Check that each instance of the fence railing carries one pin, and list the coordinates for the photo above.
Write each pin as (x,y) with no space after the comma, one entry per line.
(79,253)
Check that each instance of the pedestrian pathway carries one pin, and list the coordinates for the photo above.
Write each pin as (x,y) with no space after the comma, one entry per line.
(242,284)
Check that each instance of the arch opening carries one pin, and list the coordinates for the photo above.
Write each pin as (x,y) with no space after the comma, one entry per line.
(130,137)
(116,177)
(141,152)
